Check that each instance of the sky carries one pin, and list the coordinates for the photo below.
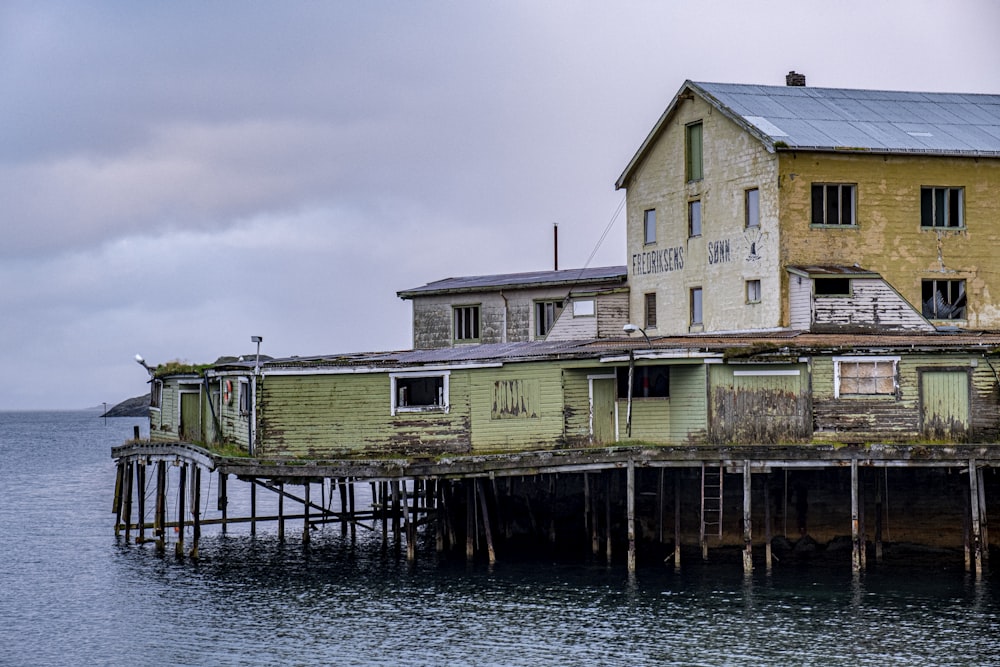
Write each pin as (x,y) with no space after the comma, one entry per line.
(178,177)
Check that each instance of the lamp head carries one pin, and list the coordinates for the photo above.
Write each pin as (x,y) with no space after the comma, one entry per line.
(256,339)
(630,329)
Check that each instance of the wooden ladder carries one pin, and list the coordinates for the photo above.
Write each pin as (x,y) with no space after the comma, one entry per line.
(711,504)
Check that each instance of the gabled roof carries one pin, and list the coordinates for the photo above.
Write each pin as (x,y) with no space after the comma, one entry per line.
(494,283)
(842,119)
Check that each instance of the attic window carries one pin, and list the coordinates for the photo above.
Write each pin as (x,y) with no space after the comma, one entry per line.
(419,392)
(832,287)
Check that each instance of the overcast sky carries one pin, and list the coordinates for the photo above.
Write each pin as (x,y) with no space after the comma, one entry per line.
(177,177)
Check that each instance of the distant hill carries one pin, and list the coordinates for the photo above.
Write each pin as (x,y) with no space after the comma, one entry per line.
(132,407)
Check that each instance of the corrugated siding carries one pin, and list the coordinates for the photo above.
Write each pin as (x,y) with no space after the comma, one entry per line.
(542,429)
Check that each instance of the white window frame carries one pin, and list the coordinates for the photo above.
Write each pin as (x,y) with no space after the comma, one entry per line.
(649,226)
(244,400)
(156,395)
(751,298)
(837,361)
(584,308)
(395,408)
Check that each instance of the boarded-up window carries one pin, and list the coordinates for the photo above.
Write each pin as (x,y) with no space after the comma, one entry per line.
(650,310)
(865,377)
(515,399)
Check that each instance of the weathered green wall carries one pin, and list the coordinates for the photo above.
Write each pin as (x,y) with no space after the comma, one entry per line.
(758,403)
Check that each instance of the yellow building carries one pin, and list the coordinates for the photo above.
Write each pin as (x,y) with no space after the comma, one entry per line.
(790,207)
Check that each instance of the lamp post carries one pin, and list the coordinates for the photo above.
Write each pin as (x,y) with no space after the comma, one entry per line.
(629,329)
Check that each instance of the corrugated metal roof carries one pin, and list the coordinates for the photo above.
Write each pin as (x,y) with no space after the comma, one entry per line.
(814,270)
(868,120)
(495,282)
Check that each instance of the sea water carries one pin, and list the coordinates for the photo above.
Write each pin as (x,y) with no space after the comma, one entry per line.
(71,593)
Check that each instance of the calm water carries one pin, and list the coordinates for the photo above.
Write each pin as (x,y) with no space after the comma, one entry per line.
(73,594)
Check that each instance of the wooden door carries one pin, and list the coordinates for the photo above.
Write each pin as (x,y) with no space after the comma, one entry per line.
(602,410)
(944,405)
(190,427)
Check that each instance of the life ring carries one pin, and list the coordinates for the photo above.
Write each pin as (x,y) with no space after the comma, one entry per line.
(227,392)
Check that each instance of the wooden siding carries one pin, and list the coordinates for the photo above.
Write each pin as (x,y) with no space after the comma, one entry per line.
(754,404)
(688,404)
(800,302)
(349,415)
(576,412)
(650,419)
(898,418)
(540,427)
(872,305)
(612,314)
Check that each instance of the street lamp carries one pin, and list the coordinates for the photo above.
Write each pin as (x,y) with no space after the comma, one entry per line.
(630,329)
(258,340)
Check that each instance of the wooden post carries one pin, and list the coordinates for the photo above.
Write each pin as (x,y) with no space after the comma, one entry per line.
(977,545)
(607,513)
(181,497)
(411,543)
(586,504)
(281,511)
(470,520)
(128,500)
(879,480)
(116,504)
(595,520)
(862,528)
(983,528)
(677,519)
(439,518)
(344,512)
(630,511)
(196,512)
(396,538)
(223,498)
(140,482)
(767,521)
(747,523)
(253,506)
(659,506)
(305,514)
(486,524)
(160,510)
(855,532)
(350,503)
(967,532)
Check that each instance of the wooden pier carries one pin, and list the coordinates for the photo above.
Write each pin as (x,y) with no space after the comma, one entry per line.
(604,498)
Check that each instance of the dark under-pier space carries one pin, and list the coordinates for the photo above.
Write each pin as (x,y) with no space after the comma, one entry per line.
(649,505)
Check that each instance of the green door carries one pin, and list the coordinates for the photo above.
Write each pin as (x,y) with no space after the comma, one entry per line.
(602,406)
(190,430)
(945,405)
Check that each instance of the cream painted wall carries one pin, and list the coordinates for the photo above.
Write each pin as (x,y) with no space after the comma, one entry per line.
(726,254)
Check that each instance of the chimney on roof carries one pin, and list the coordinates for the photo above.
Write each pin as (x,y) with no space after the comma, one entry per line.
(793,78)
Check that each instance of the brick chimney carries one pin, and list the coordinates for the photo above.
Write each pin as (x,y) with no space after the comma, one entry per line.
(793,78)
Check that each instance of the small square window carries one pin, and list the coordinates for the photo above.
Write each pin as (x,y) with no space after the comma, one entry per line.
(694,218)
(753,291)
(943,299)
(583,308)
(418,392)
(752,207)
(650,310)
(941,208)
(649,226)
(696,306)
(833,204)
(693,152)
(546,314)
(860,376)
(832,287)
(466,323)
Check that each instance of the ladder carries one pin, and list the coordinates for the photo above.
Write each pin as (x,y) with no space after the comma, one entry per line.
(711,504)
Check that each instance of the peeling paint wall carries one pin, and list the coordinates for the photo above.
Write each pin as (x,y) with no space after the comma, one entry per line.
(727,253)
(754,404)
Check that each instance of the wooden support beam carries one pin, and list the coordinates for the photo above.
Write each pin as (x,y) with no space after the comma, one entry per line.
(160,511)
(976,537)
(630,512)
(855,528)
(439,518)
(879,483)
(196,511)
(607,513)
(408,524)
(140,483)
(253,509)
(305,513)
(983,528)
(767,521)
(281,511)
(396,537)
(747,523)
(351,509)
(659,506)
(342,488)
(128,500)
(117,502)
(486,523)
(223,503)
(181,497)
(470,520)
(677,518)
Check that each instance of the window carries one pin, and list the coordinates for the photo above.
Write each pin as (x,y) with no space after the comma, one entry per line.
(832,287)
(943,299)
(751,204)
(583,308)
(155,393)
(650,310)
(694,218)
(647,382)
(865,376)
(833,204)
(649,226)
(696,312)
(941,207)
(693,151)
(753,291)
(419,392)
(246,397)
(546,313)
(466,323)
